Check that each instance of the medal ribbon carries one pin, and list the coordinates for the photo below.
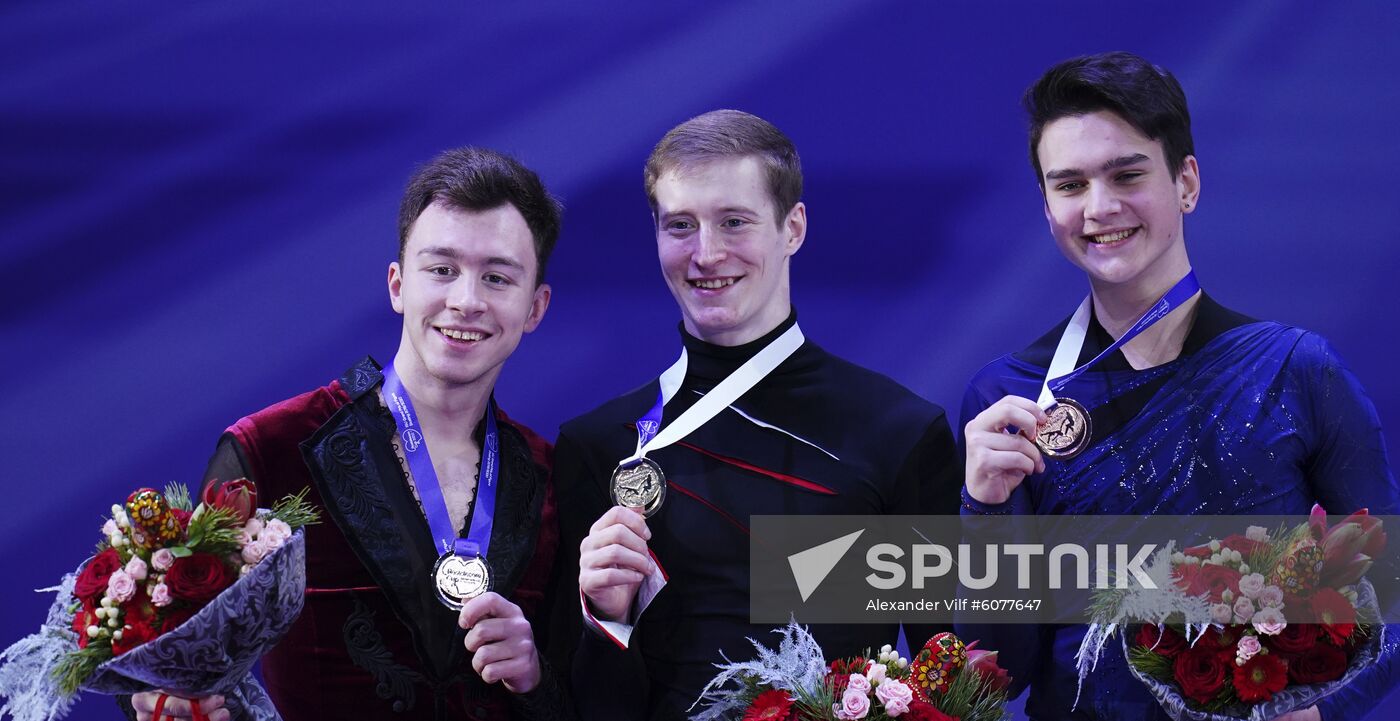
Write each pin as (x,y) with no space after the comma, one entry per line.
(420,464)
(1060,374)
(737,384)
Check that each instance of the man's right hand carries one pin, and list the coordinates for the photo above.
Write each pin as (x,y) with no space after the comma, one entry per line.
(176,707)
(613,561)
(998,461)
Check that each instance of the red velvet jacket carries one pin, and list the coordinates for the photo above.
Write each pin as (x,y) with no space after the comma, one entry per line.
(373,641)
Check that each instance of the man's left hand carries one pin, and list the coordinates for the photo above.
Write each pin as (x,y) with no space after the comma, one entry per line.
(1308,714)
(501,642)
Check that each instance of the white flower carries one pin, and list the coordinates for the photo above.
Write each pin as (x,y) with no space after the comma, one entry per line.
(902,663)
(1178,558)
(1256,533)
(1244,568)
(163,559)
(110,530)
(119,515)
(121,586)
(876,673)
(1214,546)
(275,533)
(92,631)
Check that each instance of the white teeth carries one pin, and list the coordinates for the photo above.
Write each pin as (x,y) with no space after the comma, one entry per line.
(712,284)
(461,334)
(1112,237)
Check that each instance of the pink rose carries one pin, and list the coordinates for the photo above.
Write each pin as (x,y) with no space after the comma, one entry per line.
(121,586)
(1244,609)
(895,696)
(1246,648)
(1221,613)
(1251,585)
(1271,597)
(162,559)
(854,705)
(254,551)
(275,533)
(136,568)
(253,527)
(1269,622)
(858,682)
(160,595)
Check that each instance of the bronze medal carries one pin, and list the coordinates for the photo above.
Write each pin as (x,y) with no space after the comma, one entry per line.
(458,579)
(1067,432)
(639,484)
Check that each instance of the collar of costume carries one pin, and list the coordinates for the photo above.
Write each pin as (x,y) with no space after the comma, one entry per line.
(759,359)
(1062,370)
(420,464)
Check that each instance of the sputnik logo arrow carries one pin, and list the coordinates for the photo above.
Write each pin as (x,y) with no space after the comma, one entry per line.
(810,567)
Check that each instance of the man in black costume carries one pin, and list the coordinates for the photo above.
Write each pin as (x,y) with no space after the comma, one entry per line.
(808,433)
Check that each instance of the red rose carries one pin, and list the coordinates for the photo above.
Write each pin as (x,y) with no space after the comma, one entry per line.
(923,711)
(984,664)
(1324,662)
(771,705)
(92,582)
(182,517)
(173,616)
(1242,544)
(1165,642)
(1212,580)
(1295,638)
(1260,678)
(1335,613)
(837,682)
(1201,673)
(198,578)
(133,634)
(238,495)
(1221,641)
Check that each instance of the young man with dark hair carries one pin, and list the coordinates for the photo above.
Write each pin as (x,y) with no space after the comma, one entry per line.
(439,528)
(1204,411)
(754,419)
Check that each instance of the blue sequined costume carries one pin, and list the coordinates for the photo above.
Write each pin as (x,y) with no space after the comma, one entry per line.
(1254,418)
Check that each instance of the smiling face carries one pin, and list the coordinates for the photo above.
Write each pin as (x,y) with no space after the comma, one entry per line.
(723,251)
(466,290)
(1113,207)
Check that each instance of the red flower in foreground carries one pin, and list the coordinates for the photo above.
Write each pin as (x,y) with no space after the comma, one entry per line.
(924,711)
(92,582)
(1324,662)
(86,616)
(1296,638)
(771,705)
(133,635)
(198,578)
(1210,579)
(1200,671)
(1260,678)
(173,617)
(1165,642)
(1221,641)
(984,664)
(1335,613)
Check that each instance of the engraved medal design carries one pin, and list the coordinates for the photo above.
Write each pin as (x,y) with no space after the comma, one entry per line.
(1067,432)
(640,484)
(459,579)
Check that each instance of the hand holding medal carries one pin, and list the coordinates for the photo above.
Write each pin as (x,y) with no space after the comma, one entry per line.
(501,642)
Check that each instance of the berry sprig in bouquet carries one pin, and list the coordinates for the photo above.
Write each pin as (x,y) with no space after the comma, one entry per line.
(176,597)
(1224,649)
(945,681)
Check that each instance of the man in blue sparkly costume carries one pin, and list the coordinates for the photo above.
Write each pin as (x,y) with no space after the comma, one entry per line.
(1207,411)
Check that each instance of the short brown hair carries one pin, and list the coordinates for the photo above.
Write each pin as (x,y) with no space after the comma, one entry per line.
(477,179)
(730,134)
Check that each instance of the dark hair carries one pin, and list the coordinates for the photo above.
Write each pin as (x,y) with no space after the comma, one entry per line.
(730,134)
(1144,95)
(476,179)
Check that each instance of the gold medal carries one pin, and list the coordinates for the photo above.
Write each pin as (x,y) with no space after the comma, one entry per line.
(459,579)
(639,484)
(1067,432)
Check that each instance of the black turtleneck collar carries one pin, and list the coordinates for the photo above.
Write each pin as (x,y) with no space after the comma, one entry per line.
(707,360)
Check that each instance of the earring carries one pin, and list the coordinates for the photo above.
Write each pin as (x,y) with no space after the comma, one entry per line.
(1187,206)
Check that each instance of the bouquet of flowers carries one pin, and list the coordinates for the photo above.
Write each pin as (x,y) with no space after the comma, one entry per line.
(1218,646)
(176,597)
(945,681)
